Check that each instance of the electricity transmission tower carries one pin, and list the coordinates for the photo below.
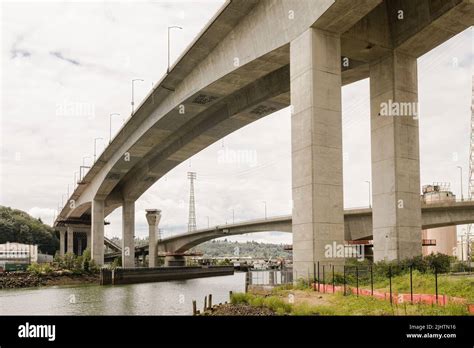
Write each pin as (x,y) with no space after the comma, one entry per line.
(192,205)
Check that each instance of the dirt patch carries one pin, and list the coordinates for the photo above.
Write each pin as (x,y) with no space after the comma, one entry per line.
(296,296)
(312,298)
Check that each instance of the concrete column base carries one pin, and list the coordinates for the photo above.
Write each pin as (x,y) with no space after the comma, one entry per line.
(175,261)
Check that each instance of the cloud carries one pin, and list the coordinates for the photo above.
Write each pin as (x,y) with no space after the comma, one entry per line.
(60,56)
(47,215)
(19,53)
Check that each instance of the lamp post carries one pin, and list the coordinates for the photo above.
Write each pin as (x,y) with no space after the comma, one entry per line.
(169,29)
(84,160)
(468,250)
(265,203)
(462,197)
(110,126)
(370,195)
(95,148)
(133,94)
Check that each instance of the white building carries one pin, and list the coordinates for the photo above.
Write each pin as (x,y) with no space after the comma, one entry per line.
(21,253)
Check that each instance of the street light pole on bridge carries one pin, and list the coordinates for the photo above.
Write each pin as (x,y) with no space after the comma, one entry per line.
(169,29)
(133,94)
(95,148)
(110,125)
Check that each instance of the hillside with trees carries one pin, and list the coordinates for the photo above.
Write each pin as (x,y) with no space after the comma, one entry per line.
(18,226)
(224,248)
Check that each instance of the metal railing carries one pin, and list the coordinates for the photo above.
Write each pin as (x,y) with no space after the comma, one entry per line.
(271,277)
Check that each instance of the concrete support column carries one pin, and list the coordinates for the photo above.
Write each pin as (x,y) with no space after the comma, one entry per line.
(70,240)
(153,217)
(79,246)
(316,141)
(128,234)
(89,233)
(97,247)
(175,261)
(61,242)
(395,157)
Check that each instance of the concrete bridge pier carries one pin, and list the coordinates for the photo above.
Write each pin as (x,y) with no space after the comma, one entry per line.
(153,217)
(79,246)
(70,240)
(88,236)
(396,213)
(316,141)
(128,234)
(97,247)
(62,240)
(175,261)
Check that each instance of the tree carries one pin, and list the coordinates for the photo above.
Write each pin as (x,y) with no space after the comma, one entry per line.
(18,226)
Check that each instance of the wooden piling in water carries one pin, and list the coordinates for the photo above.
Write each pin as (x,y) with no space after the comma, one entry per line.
(194,307)
(210,301)
(205,304)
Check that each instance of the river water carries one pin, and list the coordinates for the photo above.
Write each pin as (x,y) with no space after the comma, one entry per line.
(163,298)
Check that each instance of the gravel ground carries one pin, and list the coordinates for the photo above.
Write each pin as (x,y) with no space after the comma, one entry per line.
(12,280)
(240,309)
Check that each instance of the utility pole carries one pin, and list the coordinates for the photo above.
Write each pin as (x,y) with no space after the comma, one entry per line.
(462,197)
(192,203)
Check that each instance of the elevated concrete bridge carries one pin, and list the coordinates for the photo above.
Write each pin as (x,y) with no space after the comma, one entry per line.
(251,59)
(357,226)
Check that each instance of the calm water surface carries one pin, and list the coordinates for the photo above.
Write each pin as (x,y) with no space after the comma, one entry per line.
(165,298)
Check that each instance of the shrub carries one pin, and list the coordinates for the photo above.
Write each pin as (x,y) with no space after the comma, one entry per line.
(277,305)
(238,298)
(440,262)
(39,269)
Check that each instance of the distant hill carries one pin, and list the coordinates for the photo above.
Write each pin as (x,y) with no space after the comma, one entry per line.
(225,248)
(18,226)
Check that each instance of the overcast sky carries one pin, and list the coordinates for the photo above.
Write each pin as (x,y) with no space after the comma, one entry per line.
(65,66)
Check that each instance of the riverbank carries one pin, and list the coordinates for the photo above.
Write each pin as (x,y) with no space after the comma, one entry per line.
(17,280)
(308,302)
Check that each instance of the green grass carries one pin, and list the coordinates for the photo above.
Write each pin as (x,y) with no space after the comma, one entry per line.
(424,283)
(338,304)
(364,305)
(274,303)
